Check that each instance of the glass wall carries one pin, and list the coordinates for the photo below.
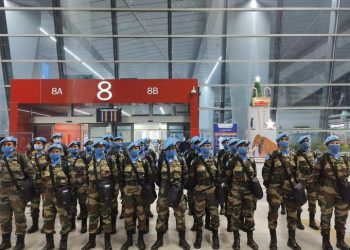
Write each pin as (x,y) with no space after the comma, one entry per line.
(301,49)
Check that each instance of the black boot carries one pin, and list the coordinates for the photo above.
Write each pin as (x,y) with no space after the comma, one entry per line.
(128,243)
(236,242)
(273,242)
(222,209)
(159,241)
(283,208)
(91,243)
(49,242)
(182,241)
(83,212)
(108,245)
(299,223)
(229,224)
(291,240)
(250,240)
(6,242)
(113,221)
(72,224)
(34,228)
(312,222)
(100,228)
(19,243)
(198,243)
(63,242)
(340,241)
(207,220)
(83,226)
(140,242)
(215,240)
(147,226)
(326,244)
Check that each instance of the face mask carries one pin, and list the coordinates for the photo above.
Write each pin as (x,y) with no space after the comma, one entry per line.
(334,149)
(134,154)
(88,148)
(7,150)
(38,147)
(233,149)
(107,145)
(55,157)
(305,146)
(283,144)
(99,152)
(195,146)
(205,151)
(142,148)
(242,151)
(170,154)
(118,145)
(226,147)
(74,151)
(57,140)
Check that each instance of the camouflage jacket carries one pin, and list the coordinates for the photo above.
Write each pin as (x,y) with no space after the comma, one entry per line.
(235,174)
(79,166)
(106,169)
(304,171)
(38,162)
(63,175)
(142,168)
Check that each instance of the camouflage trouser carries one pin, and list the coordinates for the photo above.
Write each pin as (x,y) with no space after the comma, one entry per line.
(202,200)
(12,204)
(163,215)
(311,196)
(275,195)
(242,202)
(115,200)
(51,208)
(190,201)
(80,194)
(96,208)
(134,205)
(35,204)
(328,199)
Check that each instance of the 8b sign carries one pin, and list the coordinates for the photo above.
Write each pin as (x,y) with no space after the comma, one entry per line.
(104,91)
(152,91)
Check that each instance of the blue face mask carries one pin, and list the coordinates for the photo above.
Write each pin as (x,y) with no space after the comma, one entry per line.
(205,151)
(142,148)
(74,151)
(283,145)
(242,151)
(233,149)
(334,149)
(134,154)
(55,158)
(57,140)
(38,147)
(305,146)
(225,146)
(99,152)
(118,145)
(88,148)
(7,150)
(170,154)
(107,145)
(196,146)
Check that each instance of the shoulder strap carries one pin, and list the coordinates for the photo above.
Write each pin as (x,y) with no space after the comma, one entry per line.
(306,159)
(333,169)
(11,173)
(244,166)
(208,170)
(136,173)
(75,161)
(289,176)
(52,177)
(95,168)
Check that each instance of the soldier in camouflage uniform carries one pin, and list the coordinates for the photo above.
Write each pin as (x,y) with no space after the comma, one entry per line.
(57,174)
(78,163)
(240,169)
(204,175)
(328,166)
(304,159)
(100,169)
(133,201)
(108,140)
(172,172)
(231,153)
(56,138)
(39,161)
(221,154)
(88,152)
(277,182)
(11,202)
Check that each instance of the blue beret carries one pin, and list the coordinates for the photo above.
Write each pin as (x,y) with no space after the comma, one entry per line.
(74,143)
(330,139)
(9,139)
(280,136)
(204,141)
(56,135)
(55,146)
(118,138)
(302,138)
(233,140)
(133,144)
(107,136)
(147,140)
(169,142)
(242,142)
(43,139)
(225,139)
(99,142)
(88,141)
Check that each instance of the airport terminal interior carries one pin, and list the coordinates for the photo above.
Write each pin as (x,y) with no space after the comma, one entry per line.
(161,69)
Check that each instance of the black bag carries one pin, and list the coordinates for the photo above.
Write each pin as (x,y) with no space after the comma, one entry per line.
(174,192)
(298,190)
(105,188)
(343,186)
(63,194)
(25,187)
(147,191)
(254,184)
(220,194)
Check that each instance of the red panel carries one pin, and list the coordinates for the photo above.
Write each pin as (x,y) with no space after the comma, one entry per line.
(25,91)
(71,132)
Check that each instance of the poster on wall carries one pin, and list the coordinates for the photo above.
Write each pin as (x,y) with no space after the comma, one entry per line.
(223,130)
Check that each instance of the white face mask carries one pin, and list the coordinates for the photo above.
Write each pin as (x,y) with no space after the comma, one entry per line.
(57,140)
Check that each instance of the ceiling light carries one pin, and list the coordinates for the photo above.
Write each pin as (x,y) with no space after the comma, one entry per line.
(161,110)
(32,112)
(212,72)
(82,112)
(127,114)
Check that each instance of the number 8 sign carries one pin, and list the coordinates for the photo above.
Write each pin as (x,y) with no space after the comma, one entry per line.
(104,90)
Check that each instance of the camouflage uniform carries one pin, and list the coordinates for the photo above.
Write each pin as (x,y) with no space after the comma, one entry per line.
(11,203)
(63,176)
(106,169)
(329,196)
(189,157)
(64,151)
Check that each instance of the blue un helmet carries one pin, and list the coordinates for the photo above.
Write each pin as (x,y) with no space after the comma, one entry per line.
(170,150)
(134,151)
(330,139)
(8,150)
(37,146)
(74,150)
(232,144)
(205,150)
(242,148)
(304,142)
